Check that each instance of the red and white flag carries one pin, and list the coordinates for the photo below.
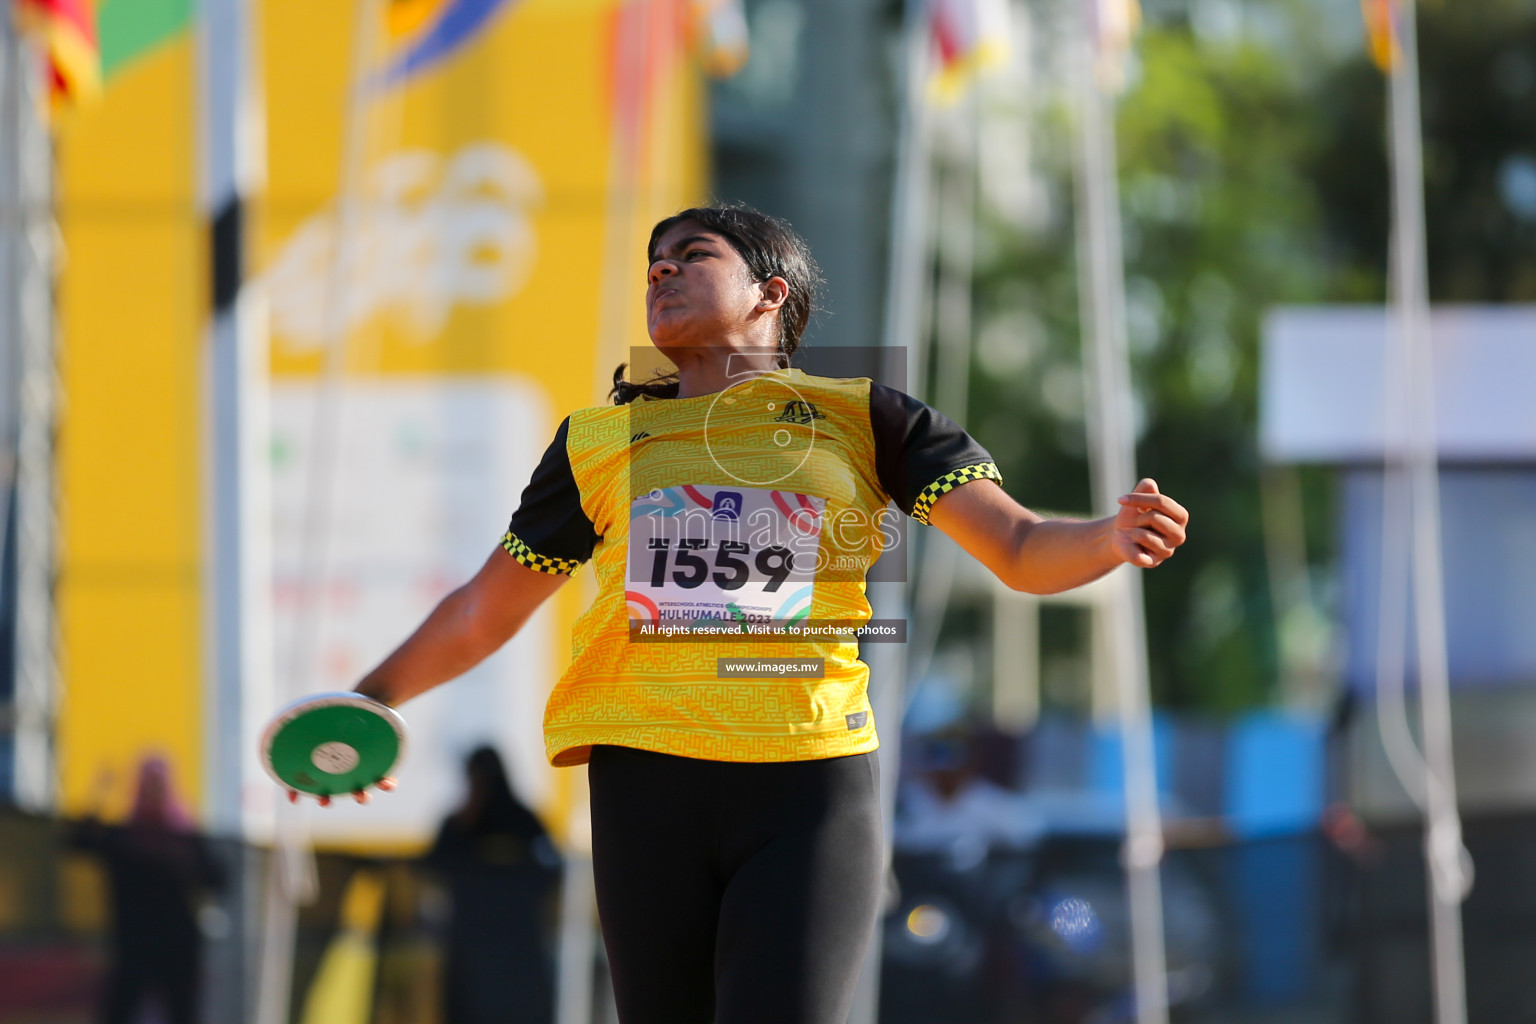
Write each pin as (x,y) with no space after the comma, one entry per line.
(719,35)
(1112,25)
(66,29)
(968,36)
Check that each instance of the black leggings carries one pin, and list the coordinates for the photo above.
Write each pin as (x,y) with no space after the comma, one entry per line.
(735,893)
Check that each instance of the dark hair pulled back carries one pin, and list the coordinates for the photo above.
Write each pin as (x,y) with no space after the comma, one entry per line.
(770,248)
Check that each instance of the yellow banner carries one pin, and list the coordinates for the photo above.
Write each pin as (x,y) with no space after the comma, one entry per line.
(456,195)
(132,312)
(478,230)
(461,215)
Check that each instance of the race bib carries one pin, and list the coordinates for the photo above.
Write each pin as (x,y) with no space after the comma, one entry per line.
(701,554)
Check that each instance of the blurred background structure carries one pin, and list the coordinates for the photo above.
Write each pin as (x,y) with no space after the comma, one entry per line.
(292,295)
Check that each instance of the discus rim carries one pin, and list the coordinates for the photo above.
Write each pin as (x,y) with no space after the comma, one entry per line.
(317,701)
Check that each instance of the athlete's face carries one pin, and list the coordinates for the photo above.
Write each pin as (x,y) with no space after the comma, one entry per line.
(702,294)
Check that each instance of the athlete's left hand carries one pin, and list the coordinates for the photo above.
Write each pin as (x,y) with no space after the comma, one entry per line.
(1149,526)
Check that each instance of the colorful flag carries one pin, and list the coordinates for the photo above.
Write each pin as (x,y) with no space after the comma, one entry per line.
(1381,31)
(436,29)
(343,987)
(129,29)
(968,36)
(647,40)
(404,17)
(718,34)
(67,31)
(1112,24)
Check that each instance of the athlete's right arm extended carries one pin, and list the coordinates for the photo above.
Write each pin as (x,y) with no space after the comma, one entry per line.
(466,627)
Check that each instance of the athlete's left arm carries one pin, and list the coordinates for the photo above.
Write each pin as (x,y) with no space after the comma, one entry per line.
(1046,556)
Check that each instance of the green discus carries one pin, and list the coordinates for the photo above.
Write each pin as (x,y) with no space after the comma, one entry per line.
(332,744)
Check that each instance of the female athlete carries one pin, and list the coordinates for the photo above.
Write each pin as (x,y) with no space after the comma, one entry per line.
(735,815)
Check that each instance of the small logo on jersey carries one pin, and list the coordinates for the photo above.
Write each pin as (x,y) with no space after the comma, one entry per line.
(640,436)
(727,505)
(799,411)
(857,720)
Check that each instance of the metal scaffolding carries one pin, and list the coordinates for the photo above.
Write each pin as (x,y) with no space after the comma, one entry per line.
(28,405)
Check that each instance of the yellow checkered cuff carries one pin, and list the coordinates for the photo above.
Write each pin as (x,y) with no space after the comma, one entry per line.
(948,482)
(537,562)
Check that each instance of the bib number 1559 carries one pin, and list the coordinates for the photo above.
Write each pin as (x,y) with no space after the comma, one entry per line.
(730,569)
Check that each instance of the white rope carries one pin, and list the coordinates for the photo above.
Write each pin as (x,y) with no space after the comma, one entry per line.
(1449,865)
(620,207)
(1113,446)
(905,305)
(292,878)
(951,339)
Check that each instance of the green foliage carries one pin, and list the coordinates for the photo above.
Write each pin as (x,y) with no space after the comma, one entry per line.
(1219,127)
(1221,222)
(1253,172)
(1478,74)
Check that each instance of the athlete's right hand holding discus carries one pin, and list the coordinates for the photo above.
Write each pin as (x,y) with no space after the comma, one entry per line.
(466,627)
(1046,556)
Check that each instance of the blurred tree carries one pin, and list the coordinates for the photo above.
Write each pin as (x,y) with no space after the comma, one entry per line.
(1252,166)
(1252,144)
(1223,225)
(1478,75)
(1253,173)
(1220,223)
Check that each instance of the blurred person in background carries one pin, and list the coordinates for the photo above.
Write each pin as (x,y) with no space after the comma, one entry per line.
(949,806)
(500,869)
(737,842)
(158,870)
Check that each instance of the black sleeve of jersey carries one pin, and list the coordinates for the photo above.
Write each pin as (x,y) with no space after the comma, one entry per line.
(549,531)
(921,454)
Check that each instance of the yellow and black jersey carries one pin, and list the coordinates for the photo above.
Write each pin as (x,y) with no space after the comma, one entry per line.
(763,503)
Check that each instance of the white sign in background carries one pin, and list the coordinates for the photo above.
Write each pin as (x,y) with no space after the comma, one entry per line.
(1323,383)
(427,472)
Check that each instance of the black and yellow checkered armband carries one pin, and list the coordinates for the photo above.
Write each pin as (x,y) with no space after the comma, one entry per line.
(948,482)
(537,562)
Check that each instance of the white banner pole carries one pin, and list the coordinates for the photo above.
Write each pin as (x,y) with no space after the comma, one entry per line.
(1112,446)
(1449,866)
